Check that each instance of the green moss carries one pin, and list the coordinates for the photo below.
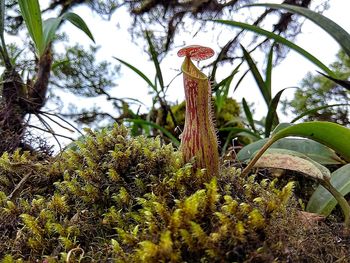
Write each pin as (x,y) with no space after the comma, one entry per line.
(122,199)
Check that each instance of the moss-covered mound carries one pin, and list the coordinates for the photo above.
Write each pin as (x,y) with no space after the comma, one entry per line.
(122,199)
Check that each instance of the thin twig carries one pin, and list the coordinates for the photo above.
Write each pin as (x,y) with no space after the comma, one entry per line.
(56,122)
(51,132)
(19,185)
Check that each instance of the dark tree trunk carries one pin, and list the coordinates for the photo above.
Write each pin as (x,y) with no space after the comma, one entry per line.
(19,99)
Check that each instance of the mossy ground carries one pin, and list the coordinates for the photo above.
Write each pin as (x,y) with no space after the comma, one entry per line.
(121,199)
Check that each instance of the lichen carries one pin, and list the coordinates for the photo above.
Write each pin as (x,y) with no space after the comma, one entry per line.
(115,198)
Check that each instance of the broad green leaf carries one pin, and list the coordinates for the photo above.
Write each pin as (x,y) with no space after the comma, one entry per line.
(248,115)
(333,29)
(271,117)
(154,56)
(316,110)
(156,126)
(79,23)
(322,202)
(257,76)
(314,150)
(31,14)
(51,25)
(281,40)
(138,72)
(333,135)
(294,161)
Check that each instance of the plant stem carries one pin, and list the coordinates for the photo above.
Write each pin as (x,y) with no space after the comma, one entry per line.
(344,205)
(257,156)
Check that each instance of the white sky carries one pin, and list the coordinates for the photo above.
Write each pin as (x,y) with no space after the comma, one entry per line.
(116,41)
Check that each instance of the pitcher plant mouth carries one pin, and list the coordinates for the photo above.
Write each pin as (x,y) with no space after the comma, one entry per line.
(192,71)
(198,140)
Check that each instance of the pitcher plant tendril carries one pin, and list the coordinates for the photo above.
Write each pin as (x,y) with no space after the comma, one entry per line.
(198,139)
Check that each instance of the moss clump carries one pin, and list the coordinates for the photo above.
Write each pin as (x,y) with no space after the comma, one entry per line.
(122,199)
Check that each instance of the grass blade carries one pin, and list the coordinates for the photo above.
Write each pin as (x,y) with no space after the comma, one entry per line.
(174,140)
(281,40)
(272,117)
(79,23)
(222,94)
(138,72)
(343,83)
(316,110)
(154,56)
(333,29)
(257,76)
(269,69)
(240,80)
(31,14)
(248,115)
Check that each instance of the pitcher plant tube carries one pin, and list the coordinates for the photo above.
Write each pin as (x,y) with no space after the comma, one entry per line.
(198,140)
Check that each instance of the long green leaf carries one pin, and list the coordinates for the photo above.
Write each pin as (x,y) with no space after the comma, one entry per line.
(333,29)
(316,110)
(333,135)
(50,27)
(257,76)
(222,93)
(281,40)
(220,84)
(79,23)
(268,72)
(31,14)
(156,126)
(344,83)
(294,161)
(314,150)
(240,80)
(330,134)
(272,117)
(154,56)
(248,115)
(138,72)
(322,202)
